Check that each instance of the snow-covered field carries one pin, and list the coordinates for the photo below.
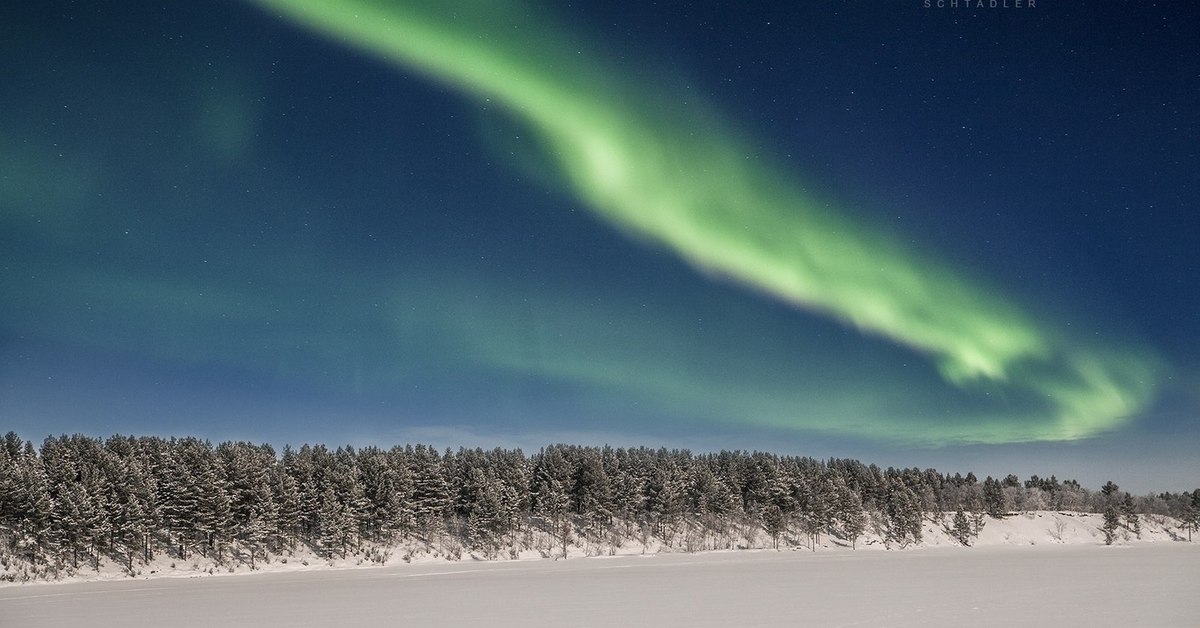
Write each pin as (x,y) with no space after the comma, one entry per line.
(1023,529)
(1034,568)
(1133,585)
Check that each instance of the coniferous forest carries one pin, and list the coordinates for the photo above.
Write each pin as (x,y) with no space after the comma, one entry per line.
(77,501)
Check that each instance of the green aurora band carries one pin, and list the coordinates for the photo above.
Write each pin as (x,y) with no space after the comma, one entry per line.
(673,174)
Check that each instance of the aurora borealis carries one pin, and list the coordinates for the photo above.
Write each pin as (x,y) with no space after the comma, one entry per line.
(683,183)
(511,219)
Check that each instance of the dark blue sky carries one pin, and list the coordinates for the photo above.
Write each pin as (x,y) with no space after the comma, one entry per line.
(218,221)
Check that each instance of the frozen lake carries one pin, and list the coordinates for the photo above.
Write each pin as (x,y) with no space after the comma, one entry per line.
(1146,585)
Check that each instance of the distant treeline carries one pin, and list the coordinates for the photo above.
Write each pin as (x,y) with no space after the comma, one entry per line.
(78,499)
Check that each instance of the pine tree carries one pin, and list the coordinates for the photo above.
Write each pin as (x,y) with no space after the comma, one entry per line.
(551,492)
(301,484)
(179,492)
(780,506)
(665,494)
(10,485)
(76,483)
(1130,515)
(379,491)
(252,506)
(336,524)
(630,497)
(482,512)
(255,529)
(850,514)
(775,523)
(962,528)
(431,494)
(1112,516)
(346,478)
(513,477)
(303,469)
(132,514)
(77,519)
(213,516)
(81,498)
(288,519)
(1112,521)
(709,501)
(591,496)
(132,490)
(1191,514)
(821,507)
(212,510)
(993,498)
(404,518)
(37,511)
(903,510)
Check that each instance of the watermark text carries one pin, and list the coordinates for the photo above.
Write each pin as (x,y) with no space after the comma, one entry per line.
(980,4)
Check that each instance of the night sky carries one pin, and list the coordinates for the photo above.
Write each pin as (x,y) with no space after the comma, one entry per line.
(964,238)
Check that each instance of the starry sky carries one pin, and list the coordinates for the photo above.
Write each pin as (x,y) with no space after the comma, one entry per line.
(953,237)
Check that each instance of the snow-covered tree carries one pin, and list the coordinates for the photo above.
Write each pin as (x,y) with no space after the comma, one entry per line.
(994,499)
(849,513)
(961,529)
(1112,514)
(288,514)
(903,512)
(430,493)
(336,524)
(551,491)
(80,500)
(591,495)
(1130,515)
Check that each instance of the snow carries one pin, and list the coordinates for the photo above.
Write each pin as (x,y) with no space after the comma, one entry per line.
(1043,568)
(1021,529)
(1000,585)
(1059,528)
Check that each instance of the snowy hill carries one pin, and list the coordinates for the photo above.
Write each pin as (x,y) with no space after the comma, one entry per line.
(1056,528)
(1027,529)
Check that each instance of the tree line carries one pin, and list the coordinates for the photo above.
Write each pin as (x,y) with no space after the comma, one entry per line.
(77,500)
